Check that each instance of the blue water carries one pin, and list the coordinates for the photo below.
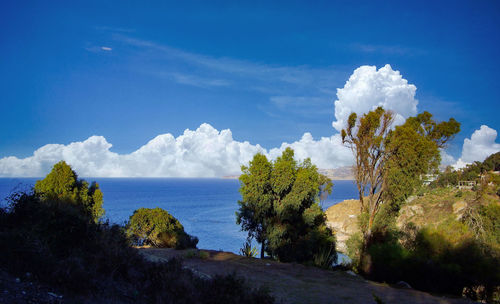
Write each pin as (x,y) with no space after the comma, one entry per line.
(205,207)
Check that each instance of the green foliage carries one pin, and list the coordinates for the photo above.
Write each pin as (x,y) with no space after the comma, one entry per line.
(92,262)
(388,167)
(256,206)
(471,172)
(366,138)
(280,209)
(247,250)
(414,151)
(490,215)
(492,162)
(62,184)
(445,259)
(325,258)
(354,245)
(156,227)
(203,255)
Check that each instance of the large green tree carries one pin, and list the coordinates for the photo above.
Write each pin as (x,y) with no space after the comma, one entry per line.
(413,150)
(62,184)
(389,162)
(279,207)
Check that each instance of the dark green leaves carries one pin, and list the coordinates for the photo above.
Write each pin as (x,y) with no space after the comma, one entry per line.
(279,207)
(62,184)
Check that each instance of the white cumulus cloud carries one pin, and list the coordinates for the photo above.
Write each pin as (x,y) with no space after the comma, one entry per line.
(480,145)
(328,152)
(447,159)
(204,152)
(207,152)
(369,88)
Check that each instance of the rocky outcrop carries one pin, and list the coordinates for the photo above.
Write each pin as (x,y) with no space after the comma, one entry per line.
(342,218)
(459,209)
(430,209)
(408,213)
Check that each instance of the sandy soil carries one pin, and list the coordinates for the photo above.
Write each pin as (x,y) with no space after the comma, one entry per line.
(295,283)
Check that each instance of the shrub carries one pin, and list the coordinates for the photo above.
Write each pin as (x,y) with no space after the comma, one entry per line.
(156,227)
(62,184)
(490,215)
(446,259)
(247,250)
(203,255)
(92,262)
(324,258)
(354,244)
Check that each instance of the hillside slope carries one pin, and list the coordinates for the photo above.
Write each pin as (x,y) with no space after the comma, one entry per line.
(429,209)
(295,283)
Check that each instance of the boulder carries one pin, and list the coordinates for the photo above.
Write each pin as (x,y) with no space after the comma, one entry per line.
(459,209)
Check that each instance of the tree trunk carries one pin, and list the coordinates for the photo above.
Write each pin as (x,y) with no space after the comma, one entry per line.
(262,251)
(365,258)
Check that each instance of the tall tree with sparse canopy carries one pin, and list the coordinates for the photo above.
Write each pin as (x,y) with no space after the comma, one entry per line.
(366,139)
(389,163)
(62,184)
(280,209)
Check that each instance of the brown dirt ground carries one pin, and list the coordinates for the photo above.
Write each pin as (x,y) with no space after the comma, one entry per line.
(295,283)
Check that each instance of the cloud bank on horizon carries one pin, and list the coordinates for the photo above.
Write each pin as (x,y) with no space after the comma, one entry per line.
(207,152)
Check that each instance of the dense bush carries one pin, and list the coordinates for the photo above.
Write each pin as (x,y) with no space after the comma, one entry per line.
(490,216)
(156,227)
(446,259)
(62,184)
(279,208)
(92,262)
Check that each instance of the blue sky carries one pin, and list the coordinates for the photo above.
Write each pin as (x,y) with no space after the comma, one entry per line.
(269,72)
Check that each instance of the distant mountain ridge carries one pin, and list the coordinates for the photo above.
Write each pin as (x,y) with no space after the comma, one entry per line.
(342,173)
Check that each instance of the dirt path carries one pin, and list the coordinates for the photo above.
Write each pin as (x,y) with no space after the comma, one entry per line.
(295,283)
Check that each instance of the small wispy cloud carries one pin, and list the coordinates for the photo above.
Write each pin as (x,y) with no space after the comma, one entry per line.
(197,81)
(297,101)
(385,49)
(307,106)
(115,29)
(98,49)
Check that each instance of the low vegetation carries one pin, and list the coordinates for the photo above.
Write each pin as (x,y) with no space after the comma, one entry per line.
(156,227)
(50,237)
(248,250)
